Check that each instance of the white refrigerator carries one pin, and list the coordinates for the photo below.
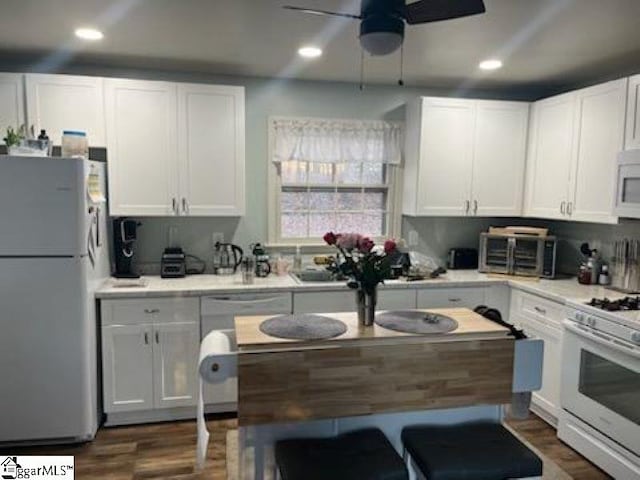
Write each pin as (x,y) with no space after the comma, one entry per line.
(53,256)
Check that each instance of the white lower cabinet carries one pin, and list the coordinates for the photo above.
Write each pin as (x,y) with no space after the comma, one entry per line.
(150,354)
(127,360)
(458,297)
(542,318)
(175,360)
(548,397)
(345,301)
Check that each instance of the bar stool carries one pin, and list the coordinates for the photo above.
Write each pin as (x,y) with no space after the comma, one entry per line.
(360,455)
(471,451)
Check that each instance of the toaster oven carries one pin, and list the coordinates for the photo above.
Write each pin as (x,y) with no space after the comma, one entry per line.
(516,254)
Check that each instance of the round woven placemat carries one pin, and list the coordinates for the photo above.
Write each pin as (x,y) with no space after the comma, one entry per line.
(303,327)
(411,321)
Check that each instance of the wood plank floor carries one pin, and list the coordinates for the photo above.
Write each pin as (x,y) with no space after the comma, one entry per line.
(541,437)
(167,451)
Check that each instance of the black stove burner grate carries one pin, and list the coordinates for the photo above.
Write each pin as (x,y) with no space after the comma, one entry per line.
(621,304)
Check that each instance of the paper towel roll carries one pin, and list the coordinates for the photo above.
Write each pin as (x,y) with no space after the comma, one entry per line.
(216,364)
(217,361)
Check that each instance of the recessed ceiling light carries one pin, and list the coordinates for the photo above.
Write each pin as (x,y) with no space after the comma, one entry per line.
(491,64)
(89,34)
(310,52)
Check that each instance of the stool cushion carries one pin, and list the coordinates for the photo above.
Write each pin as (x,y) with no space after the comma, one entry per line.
(471,451)
(361,455)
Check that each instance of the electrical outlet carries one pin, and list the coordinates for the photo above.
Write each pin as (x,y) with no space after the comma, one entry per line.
(413,238)
(217,237)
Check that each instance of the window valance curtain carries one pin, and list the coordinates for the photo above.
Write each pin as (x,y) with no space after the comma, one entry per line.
(337,141)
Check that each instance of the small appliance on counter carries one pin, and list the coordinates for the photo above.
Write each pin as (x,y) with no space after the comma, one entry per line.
(262,265)
(590,269)
(525,251)
(400,262)
(124,237)
(462,259)
(173,263)
(227,257)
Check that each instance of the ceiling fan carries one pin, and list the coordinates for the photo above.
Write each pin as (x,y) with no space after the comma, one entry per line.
(382,21)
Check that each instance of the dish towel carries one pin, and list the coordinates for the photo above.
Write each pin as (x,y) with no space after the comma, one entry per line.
(216,364)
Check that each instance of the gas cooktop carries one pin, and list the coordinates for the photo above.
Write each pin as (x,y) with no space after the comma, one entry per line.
(625,304)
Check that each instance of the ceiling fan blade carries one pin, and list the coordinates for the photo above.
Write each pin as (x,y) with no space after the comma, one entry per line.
(314,11)
(425,11)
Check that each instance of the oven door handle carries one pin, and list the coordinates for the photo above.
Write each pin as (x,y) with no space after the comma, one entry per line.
(603,339)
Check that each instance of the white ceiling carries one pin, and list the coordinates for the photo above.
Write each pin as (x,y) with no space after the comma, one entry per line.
(542,42)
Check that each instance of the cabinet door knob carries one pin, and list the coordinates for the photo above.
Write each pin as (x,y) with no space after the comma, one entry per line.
(157,337)
(475,207)
(467,206)
(174,205)
(146,338)
(562,207)
(455,300)
(151,311)
(185,205)
(569,208)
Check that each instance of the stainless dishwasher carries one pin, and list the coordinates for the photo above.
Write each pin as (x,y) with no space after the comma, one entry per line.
(218,313)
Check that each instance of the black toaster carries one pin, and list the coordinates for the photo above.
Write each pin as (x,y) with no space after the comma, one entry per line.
(463,259)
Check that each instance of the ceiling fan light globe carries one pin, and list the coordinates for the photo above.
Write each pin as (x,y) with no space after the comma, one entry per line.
(381,43)
(381,34)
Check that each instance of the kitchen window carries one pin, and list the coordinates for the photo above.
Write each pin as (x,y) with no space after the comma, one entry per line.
(336,175)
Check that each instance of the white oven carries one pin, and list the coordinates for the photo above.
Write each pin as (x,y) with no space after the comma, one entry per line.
(601,381)
(628,184)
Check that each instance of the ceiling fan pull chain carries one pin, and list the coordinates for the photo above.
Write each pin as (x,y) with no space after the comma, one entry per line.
(401,81)
(361,69)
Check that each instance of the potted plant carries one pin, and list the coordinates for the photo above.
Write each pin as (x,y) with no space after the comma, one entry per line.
(12,139)
(365,265)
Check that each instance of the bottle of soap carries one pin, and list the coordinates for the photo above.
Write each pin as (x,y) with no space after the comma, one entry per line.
(604,279)
(297,260)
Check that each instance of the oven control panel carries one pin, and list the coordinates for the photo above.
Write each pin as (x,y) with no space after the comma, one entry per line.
(606,326)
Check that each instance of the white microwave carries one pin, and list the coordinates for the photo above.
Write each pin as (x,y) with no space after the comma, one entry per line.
(628,184)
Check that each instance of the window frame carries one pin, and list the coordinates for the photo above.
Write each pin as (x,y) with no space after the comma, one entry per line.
(274,190)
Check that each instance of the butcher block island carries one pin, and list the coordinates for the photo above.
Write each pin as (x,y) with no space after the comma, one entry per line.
(371,369)
(366,376)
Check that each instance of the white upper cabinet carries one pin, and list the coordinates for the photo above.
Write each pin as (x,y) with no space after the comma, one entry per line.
(66,102)
(11,102)
(458,151)
(632,136)
(499,158)
(175,149)
(550,157)
(575,138)
(142,147)
(599,137)
(211,143)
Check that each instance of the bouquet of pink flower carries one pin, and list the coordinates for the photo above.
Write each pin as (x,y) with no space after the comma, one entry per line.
(365,265)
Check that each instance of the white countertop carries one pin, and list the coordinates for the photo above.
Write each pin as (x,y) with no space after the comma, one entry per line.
(195,285)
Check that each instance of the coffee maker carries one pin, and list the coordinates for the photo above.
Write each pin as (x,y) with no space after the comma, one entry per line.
(124,237)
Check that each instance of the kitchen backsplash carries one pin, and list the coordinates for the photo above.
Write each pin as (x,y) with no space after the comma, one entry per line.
(436,235)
